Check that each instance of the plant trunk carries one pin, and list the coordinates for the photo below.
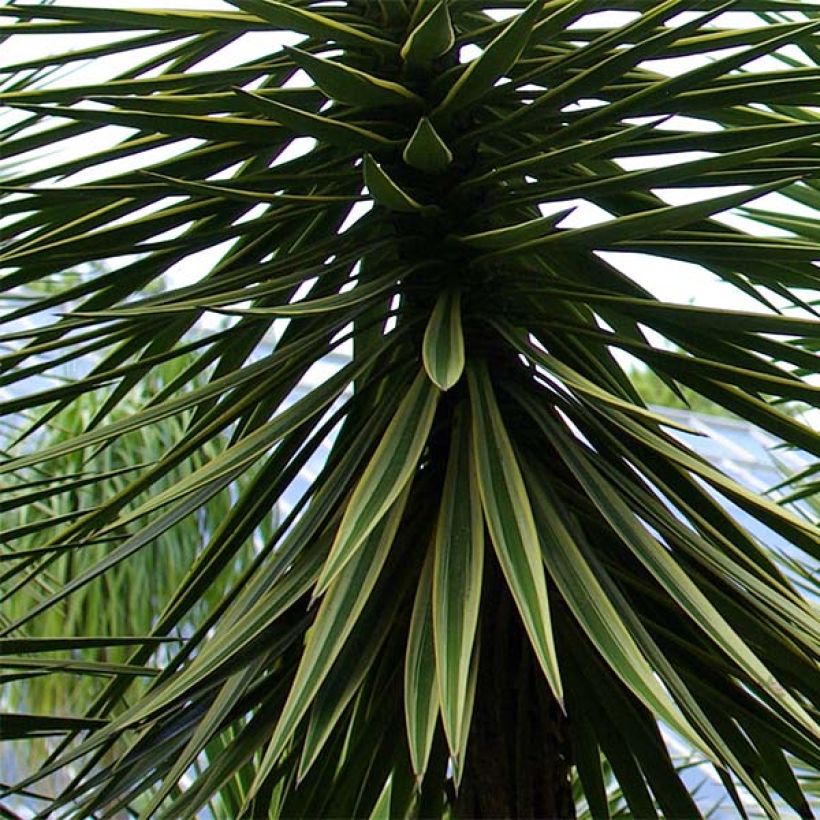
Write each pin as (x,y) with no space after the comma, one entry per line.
(518,761)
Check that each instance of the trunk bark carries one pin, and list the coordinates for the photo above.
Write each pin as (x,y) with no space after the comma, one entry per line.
(518,760)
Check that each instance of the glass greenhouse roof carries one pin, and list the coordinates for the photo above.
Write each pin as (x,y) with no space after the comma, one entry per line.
(751,457)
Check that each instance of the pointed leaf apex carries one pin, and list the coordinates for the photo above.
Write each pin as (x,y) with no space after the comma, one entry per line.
(349,85)
(499,56)
(385,191)
(426,150)
(443,345)
(431,38)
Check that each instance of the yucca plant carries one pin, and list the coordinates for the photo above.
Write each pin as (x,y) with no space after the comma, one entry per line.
(506,569)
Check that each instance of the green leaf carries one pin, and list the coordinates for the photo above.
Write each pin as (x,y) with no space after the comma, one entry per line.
(431,38)
(426,150)
(672,576)
(499,56)
(338,613)
(381,811)
(385,191)
(511,235)
(443,346)
(19,726)
(387,474)
(349,671)
(349,85)
(335,132)
(457,574)
(469,701)
(420,695)
(509,519)
(596,613)
(621,230)
(288,17)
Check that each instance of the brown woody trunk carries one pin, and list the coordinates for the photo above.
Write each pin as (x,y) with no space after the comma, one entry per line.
(518,761)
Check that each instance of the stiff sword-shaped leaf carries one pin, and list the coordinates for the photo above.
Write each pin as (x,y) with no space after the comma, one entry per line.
(469,701)
(420,695)
(350,669)
(596,613)
(337,615)
(387,474)
(324,129)
(381,811)
(431,38)
(514,234)
(654,556)
(510,521)
(637,225)
(207,728)
(443,345)
(288,17)
(349,85)
(385,191)
(457,573)
(499,56)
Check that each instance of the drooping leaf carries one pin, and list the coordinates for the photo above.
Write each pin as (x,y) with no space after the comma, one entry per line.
(456,594)
(388,473)
(443,347)
(420,693)
(509,519)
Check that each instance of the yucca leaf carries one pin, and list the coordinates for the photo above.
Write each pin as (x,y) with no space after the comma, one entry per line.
(509,519)
(483,72)
(596,613)
(443,346)
(421,704)
(349,671)
(670,575)
(337,615)
(456,594)
(388,473)
(288,17)
(19,726)
(509,237)
(381,811)
(335,132)
(385,191)
(623,229)
(431,37)
(349,85)
(425,150)
(207,189)
(469,702)
(208,726)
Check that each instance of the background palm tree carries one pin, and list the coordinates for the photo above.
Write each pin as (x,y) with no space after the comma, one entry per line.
(122,601)
(507,567)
